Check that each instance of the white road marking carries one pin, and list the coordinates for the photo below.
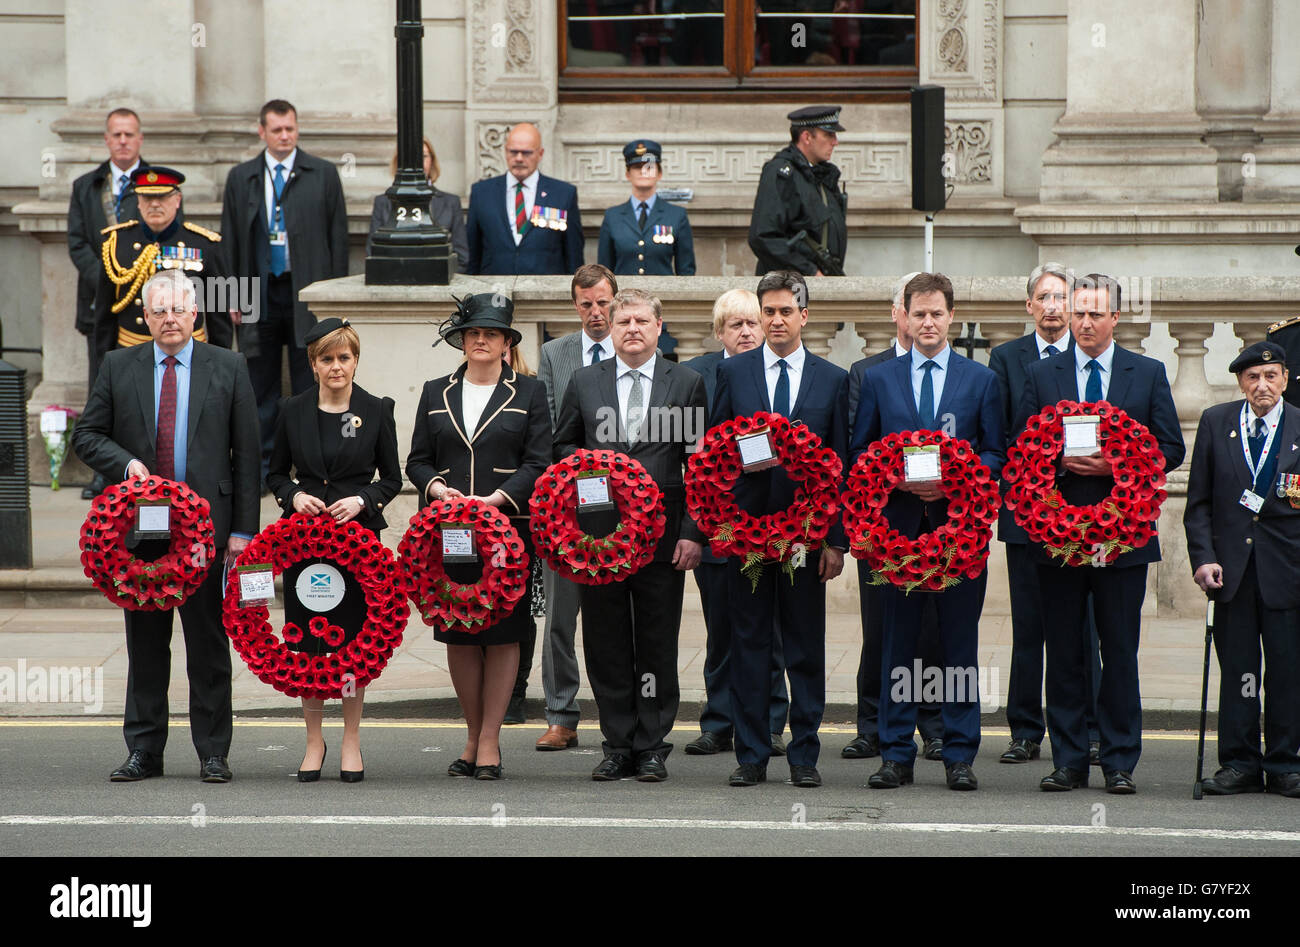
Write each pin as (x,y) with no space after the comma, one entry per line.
(1238,835)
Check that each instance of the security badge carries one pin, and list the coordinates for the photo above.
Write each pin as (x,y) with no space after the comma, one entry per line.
(663,234)
(553,218)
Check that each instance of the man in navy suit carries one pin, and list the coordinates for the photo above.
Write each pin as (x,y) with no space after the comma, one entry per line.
(782,377)
(932,389)
(523,222)
(736,324)
(646,234)
(1096,370)
(1046,299)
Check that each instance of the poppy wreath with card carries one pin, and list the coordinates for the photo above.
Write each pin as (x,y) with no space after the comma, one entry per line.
(1096,534)
(942,557)
(301,538)
(577,555)
(786,537)
(455,606)
(133,583)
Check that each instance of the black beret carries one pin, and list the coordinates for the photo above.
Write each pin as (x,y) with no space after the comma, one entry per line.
(1261,353)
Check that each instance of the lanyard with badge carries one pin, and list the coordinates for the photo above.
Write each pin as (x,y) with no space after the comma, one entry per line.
(1249,498)
(276,228)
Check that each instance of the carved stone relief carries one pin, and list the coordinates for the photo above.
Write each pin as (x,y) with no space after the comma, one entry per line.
(971,145)
(966,49)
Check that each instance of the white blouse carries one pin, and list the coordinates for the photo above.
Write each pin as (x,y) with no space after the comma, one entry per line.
(473,399)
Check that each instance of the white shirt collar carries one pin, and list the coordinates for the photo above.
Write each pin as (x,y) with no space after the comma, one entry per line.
(606,344)
(940,359)
(183,356)
(530,183)
(1271,420)
(793,362)
(288,161)
(899,351)
(117,172)
(1061,344)
(647,369)
(1105,359)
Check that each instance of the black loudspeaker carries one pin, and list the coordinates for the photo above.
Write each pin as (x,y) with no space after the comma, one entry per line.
(928,184)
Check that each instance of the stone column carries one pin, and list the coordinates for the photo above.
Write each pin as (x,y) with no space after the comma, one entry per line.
(1191,389)
(1232,85)
(1277,158)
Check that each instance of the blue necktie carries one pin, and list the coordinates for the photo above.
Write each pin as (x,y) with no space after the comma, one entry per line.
(781,399)
(1049,351)
(1256,441)
(1093,390)
(279,258)
(595,353)
(926,409)
(122,182)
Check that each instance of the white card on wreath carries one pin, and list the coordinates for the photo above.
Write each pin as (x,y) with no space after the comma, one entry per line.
(593,491)
(457,543)
(153,518)
(755,449)
(921,464)
(256,583)
(1080,434)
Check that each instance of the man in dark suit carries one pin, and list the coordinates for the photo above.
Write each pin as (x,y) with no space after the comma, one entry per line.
(736,324)
(656,410)
(182,410)
(646,234)
(1046,299)
(782,377)
(1096,370)
(929,713)
(101,198)
(1243,527)
(284,223)
(523,222)
(931,389)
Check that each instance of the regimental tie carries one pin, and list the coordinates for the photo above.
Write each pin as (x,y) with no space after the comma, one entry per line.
(521,212)
(165,443)
(926,409)
(635,407)
(1092,391)
(781,397)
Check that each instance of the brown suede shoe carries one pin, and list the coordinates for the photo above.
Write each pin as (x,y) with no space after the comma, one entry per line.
(557,738)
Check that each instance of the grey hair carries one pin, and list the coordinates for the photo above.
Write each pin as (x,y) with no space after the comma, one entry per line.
(902,285)
(1059,270)
(174,280)
(636,297)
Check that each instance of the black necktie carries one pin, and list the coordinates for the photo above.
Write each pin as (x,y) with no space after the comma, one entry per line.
(640,219)
(781,396)
(1257,441)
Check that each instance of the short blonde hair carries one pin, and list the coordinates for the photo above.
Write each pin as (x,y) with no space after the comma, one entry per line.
(636,297)
(345,336)
(734,302)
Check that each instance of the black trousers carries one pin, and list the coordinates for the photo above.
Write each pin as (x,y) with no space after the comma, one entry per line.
(1241,626)
(207,664)
(273,332)
(629,632)
(929,714)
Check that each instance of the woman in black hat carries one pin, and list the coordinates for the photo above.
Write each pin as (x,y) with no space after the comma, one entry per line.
(334,437)
(646,235)
(483,431)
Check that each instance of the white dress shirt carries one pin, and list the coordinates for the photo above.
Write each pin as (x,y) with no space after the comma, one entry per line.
(473,399)
(530,200)
(1105,360)
(793,368)
(1061,344)
(269,192)
(623,387)
(606,347)
(937,375)
(116,172)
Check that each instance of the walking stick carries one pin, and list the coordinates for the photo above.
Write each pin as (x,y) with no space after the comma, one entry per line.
(1205,693)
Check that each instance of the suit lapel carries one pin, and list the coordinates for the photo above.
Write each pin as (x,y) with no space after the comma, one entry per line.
(507,188)
(1067,385)
(1237,447)
(353,432)
(502,395)
(200,379)
(144,369)
(805,381)
(1122,367)
(758,373)
(903,375)
(309,428)
(452,402)
(952,384)
(608,384)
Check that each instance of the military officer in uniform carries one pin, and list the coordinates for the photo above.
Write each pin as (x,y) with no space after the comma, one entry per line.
(1286,334)
(646,234)
(799,213)
(134,250)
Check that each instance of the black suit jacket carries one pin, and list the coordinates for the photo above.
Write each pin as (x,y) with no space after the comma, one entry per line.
(510,449)
(316,221)
(86,220)
(1011,362)
(1139,387)
(585,418)
(224,455)
(371,445)
(1219,529)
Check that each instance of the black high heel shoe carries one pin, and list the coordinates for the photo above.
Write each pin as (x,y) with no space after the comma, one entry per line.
(490,772)
(353,775)
(312,775)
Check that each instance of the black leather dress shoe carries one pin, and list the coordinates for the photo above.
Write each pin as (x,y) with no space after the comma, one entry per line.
(1094,753)
(861,748)
(139,765)
(96,486)
(805,777)
(650,768)
(460,768)
(1285,784)
(708,743)
(961,777)
(515,711)
(891,775)
(1120,783)
(1063,780)
(612,768)
(215,770)
(1020,751)
(778,745)
(748,774)
(1230,782)
(933,750)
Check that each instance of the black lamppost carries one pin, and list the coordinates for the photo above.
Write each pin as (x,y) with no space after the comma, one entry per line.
(411,249)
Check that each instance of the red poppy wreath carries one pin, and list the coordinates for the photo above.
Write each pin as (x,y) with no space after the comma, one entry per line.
(942,557)
(596,560)
(1096,534)
(785,537)
(134,583)
(300,538)
(453,606)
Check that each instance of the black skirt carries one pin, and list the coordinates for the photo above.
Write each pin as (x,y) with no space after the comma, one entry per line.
(509,630)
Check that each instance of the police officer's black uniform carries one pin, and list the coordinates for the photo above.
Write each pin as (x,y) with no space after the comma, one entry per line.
(796,196)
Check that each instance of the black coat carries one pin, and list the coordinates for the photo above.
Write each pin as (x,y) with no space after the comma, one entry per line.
(371,446)
(789,199)
(1219,529)
(444,209)
(316,221)
(593,391)
(86,222)
(223,456)
(510,449)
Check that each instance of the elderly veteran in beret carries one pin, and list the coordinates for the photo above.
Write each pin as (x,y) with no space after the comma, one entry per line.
(484,432)
(329,442)
(646,236)
(1243,532)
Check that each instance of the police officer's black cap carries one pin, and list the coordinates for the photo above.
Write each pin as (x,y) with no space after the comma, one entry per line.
(825,117)
(481,311)
(641,151)
(323,328)
(1261,353)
